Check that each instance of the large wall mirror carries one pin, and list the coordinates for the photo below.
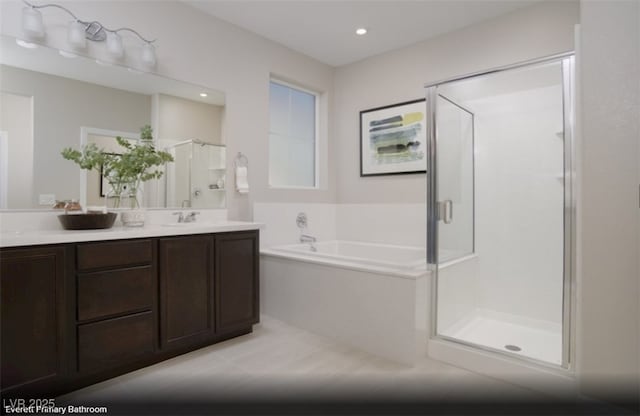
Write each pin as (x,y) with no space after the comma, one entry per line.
(49,101)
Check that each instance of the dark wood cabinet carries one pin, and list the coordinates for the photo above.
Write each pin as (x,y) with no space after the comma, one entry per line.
(116,298)
(186,290)
(33,317)
(113,342)
(118,254)
(236,282)
(76,314)
(113,292)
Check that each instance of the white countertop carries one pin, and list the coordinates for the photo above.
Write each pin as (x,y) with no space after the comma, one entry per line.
(60,236)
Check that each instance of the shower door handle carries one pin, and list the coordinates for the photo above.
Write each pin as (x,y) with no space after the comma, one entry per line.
(445,211)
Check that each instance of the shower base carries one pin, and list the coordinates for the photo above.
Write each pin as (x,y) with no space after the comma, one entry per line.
(540,340)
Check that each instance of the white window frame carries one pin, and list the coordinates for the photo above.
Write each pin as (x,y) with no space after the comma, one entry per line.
(316,152)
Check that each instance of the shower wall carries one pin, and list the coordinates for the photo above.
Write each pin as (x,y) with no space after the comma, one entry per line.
(208,176)
(177,176)
(196,178)
(518,157)
(519,202)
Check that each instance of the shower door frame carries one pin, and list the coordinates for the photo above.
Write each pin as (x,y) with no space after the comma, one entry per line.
(567,61)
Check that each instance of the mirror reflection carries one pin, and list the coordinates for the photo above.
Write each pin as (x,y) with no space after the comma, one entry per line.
(49,102)
(197,177)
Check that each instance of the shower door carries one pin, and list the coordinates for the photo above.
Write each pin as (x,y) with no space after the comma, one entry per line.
(500,210)
(455,206)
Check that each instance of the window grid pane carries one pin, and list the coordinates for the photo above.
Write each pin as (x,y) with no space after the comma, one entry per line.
(292,137)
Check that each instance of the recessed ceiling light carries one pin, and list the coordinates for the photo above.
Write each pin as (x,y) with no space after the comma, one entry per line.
(203,94)
(26,44)
(361,31)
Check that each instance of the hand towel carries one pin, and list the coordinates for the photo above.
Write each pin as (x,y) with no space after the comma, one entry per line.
(242,184)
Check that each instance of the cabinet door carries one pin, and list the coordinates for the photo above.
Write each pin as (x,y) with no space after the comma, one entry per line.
(186,290)
(112,342)
(32,319)
(236,288)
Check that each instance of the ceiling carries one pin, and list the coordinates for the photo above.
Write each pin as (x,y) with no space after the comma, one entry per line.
(325,30)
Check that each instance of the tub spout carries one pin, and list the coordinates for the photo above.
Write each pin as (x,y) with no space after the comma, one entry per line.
(305,238)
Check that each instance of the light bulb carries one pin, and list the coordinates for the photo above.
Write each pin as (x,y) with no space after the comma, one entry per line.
(114,45)
(76,35)
(26,44)
(32,24)
(148,55)
(67,54)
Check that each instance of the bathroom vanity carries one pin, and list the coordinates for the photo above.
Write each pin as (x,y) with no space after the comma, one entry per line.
(78,312)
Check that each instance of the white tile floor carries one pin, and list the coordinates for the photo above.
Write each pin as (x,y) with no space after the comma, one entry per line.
(280,361)
(536,339)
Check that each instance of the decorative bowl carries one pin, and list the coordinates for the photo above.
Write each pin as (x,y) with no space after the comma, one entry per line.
(90,221)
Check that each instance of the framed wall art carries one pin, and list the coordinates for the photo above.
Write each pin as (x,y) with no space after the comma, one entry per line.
(105,187)
(393,139)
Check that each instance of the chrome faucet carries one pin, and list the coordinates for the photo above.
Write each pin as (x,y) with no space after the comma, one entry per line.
(306,238)
(180,216)
(301,222)
(191,217)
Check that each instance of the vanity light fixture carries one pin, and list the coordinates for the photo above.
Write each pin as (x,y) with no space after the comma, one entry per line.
(104,63)
(75,36)
(67,54)
(203,94)
(149,55)
(361,31)
(80,30)
(32,24)
(114,45)
(26,44)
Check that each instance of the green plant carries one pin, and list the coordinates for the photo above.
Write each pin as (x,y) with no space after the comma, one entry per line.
(137,163)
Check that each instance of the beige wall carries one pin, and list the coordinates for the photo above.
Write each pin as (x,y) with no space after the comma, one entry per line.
(60,107)
(400,75)
(200,49)
(16,118)
(608,311)
(180,119)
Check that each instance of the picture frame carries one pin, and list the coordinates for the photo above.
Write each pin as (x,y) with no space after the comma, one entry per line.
(104,184)
(393,139)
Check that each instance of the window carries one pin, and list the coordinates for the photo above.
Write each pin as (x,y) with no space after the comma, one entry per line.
(292,136)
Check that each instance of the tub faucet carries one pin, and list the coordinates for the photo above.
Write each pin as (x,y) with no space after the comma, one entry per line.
(305,238)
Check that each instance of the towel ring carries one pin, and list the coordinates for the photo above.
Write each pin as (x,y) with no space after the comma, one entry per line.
(241,160)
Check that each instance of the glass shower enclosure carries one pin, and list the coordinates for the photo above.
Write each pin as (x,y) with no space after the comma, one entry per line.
(197,176)
(500,210)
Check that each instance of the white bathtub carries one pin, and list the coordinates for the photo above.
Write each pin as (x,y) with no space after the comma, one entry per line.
(371,296)
(373,254)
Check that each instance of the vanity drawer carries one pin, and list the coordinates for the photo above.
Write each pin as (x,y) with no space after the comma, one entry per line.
(115,291)
(113,342)
(114,254)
